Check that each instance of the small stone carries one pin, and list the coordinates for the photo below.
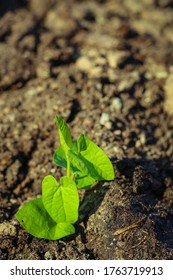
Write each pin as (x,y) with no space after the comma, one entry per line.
(48,256)
(137,144)
(92,53)
(104,118)
(54,85)
(142,138)
(129,82)
(116,104)
(43,70)
(148,75)
(108,125)
(161,74)
(13,200)
(87,123)
(157,70)
(118,152)
(95,72)
(61,24)
(7,229)
(100,61)
(114,58)
(117,132)
(100,41)
(31,92)
(53,170)
(84,64)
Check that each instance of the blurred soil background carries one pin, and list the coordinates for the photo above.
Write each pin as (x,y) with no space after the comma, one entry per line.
(106,67)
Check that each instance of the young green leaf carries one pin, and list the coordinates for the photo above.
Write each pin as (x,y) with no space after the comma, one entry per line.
(60,201)
(38,223)
(64,134)
(84,177)
(59,156)
(87,161)
(77,166)
(96,160)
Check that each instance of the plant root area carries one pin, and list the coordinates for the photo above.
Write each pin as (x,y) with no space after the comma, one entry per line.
(105,67)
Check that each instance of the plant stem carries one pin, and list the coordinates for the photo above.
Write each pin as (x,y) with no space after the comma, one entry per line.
(68,166)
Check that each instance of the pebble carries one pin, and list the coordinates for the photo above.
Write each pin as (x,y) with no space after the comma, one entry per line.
(92,53)
(104,118)
(117,132)
(114,58)
(43,70)
(129,81)
(64,26)
(7,229)
(103,41)
(118,152)
(48,256)
(95,72)
(100,61)
(141,140)
(108,125)
(156,70)
(84,63)
(161,74)
(116,104)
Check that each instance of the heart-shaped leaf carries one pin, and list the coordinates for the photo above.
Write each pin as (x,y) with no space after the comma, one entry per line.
(61,201)
(35,219)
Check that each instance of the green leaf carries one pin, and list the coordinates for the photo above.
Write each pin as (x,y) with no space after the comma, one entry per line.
(60,201)
(98,163)
(64,134)
(59,156)
(35,219)
(84,178)
(87,161)
(84,181)
(77,166)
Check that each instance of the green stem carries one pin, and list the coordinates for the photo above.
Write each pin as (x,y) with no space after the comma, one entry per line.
(68,166)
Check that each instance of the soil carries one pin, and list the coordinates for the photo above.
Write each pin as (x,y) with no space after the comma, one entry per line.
(106,67)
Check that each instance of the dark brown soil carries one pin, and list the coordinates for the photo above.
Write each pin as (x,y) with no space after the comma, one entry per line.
(106,67)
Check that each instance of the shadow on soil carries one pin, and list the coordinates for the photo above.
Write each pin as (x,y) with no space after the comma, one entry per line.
(91,201)
(11,5)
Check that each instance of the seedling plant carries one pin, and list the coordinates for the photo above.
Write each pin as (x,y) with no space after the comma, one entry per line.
(54,214)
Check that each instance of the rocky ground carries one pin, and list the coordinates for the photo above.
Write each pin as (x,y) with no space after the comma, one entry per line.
(106,67)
